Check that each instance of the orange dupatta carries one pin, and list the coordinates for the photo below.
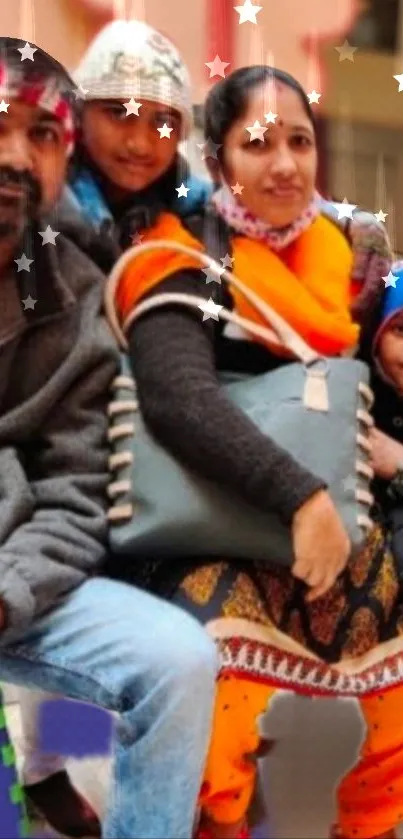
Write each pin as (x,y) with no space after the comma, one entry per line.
(309,285)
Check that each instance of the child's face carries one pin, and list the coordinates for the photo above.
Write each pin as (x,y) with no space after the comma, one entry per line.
(129,150)
(390,351)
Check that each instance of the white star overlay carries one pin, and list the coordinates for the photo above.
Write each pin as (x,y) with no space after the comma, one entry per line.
(346,52)
(27,52)
(211,276)
(345,210)
(256,131)
(49,236)
(164,131)
(237,189)
(217,67)
(182,191)
(29,302)
(209,149)
(247,12)
(314,97)
(80,93)
(227,261)
(390,280)
(132,107)
(23,263)
(210,309)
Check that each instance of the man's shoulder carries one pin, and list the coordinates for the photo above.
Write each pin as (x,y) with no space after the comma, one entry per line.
(77,270)
(68,218)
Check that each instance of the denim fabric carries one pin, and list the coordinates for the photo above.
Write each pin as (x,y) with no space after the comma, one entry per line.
(122,649)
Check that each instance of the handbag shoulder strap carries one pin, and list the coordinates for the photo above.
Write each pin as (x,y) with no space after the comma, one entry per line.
(214,233)
(286,335)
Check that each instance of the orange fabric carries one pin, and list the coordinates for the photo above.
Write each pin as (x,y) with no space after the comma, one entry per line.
(309,285)
(370,797)
(229,776)
(149,269)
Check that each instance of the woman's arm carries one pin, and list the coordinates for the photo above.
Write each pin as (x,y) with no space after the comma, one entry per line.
(184,406)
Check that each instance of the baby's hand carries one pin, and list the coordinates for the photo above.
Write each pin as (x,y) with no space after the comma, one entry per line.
(386,455)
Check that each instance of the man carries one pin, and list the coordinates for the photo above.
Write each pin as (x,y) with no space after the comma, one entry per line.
(62,629)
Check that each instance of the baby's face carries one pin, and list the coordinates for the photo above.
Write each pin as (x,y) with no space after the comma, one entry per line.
(390,351)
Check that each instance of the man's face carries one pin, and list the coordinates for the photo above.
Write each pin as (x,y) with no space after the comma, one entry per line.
(33,159)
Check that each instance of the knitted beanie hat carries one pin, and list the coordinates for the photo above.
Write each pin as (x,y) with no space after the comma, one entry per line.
(392,301)
(129,59)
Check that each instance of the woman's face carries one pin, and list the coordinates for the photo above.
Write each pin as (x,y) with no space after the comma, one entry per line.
(129,150)
(278,175)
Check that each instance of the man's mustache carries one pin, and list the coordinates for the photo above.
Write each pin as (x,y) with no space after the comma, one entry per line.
(23,180)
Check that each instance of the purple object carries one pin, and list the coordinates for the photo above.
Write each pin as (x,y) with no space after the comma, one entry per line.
(74,729)
(262,830)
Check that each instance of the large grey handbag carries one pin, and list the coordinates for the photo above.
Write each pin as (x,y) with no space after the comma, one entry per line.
(316,408)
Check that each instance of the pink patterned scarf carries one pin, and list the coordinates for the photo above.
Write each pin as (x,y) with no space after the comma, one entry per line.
(243,221)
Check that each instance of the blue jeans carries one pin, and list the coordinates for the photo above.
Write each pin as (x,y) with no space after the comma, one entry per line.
(117,647)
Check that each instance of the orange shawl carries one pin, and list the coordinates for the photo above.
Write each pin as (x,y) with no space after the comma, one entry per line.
(309,284)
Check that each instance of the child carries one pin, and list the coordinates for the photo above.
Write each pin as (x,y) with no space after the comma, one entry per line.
(125,170)
(387,384)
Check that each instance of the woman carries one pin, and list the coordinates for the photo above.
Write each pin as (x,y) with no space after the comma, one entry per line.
(320,281)
(124,172)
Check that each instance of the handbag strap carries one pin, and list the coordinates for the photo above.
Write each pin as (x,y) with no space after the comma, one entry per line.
(287,336)
(208,307)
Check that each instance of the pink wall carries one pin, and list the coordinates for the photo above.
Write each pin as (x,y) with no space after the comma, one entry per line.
(59,26)
(64,27)
(284,29)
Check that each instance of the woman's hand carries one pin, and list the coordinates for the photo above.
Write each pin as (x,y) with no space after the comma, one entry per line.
(321,544)
(386,455)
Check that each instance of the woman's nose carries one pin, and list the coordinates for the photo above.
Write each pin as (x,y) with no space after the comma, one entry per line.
(283,162)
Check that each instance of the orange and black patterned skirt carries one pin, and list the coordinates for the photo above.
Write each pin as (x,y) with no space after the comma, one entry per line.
(348,643)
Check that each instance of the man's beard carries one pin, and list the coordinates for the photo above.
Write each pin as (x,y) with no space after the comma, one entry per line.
(16,211)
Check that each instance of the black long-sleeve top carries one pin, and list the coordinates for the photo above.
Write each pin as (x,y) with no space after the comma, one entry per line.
(176,359)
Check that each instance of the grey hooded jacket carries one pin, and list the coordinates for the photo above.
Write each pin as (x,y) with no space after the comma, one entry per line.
(57,360)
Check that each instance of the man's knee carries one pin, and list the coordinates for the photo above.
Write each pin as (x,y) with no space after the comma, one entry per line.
(185,650)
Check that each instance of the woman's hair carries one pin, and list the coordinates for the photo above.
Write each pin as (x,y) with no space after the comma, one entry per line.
(228,99)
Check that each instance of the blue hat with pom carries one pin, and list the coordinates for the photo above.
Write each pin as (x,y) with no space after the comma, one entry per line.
(392,300)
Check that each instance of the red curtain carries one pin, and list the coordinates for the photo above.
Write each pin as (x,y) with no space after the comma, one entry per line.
(220,32)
